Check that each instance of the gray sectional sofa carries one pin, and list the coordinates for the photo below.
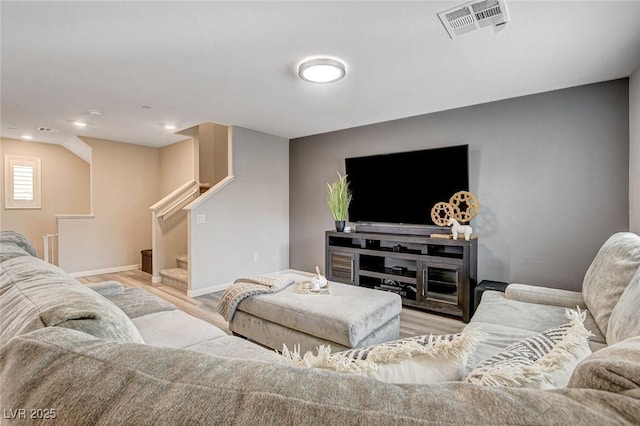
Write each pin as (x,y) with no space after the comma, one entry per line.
(610,295)
(70,354)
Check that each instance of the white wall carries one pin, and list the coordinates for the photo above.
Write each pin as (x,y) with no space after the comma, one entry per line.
(125,183)
(176,168)
(65,189)
(551,173)
(247,217)
(634,152)
(176,165)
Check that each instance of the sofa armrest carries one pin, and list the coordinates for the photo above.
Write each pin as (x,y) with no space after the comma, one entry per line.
(107,288)
(544,296)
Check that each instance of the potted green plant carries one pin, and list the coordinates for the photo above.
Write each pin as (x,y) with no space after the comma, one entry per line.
(339,197)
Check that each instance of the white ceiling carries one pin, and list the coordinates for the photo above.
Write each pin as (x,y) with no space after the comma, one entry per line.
(234,62)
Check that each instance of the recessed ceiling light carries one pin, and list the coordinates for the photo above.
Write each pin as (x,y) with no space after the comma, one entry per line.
(146,107)
(170,127)
(93,111)
(79,124)
(12,129)
(322,70)
(27,137)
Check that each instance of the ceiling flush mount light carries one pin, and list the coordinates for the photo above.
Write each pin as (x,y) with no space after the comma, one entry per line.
(170,127)
(79,124)
(27,137)
(321,70)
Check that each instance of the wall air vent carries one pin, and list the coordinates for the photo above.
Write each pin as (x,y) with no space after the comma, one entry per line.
(45,129)
(472,16)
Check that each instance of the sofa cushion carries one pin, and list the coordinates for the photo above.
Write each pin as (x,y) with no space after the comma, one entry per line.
(234,347)
(497,309)
(91,381)
(137,302)
(106,288)
(625,319)
(14,245)
(35,294)
(175,329)
(615,368)
(416,360)
(609,275)
(545,360)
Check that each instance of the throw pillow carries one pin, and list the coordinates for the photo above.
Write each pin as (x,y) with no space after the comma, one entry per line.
(609,275)
(615,368)
(416,360)
(43,295)
(624,321)
(15,244)
(543,361)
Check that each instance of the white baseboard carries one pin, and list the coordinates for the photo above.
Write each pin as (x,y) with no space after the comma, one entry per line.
(104,271)
(207,290)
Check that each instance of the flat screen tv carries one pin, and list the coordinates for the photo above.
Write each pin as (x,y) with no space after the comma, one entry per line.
(401,188)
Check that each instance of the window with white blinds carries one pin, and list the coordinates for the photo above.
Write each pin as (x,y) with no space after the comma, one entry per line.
(22,182)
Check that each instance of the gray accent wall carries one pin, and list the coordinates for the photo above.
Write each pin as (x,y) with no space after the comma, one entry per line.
(551,172)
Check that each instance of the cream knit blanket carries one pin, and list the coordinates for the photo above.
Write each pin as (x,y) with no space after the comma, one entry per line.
(249,286)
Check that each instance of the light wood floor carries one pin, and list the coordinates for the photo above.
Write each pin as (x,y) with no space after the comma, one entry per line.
(413,322)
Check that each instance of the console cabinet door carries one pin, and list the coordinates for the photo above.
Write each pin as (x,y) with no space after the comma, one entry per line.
(440,287)
(341,267)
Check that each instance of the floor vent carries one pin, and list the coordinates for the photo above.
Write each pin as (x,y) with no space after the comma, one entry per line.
(472,16)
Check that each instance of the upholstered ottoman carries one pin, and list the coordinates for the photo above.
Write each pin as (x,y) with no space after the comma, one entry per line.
(347,317)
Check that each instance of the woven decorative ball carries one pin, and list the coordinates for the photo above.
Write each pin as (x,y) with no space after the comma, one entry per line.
(441,212)
(465,205)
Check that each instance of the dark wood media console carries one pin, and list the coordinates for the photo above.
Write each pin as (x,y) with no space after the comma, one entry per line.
(434,274)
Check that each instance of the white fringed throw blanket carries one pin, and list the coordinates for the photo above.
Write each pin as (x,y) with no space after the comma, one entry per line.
(249,286)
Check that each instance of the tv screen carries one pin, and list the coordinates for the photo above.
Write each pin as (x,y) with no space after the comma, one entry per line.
(401,188)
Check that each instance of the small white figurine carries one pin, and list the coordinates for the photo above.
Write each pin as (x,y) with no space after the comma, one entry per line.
(459,229)
(318,281)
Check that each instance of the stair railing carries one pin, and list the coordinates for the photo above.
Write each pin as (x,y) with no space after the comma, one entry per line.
(173,202)
(168,206)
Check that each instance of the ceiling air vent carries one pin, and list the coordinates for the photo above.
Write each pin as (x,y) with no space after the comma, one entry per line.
(474,15)
(45,129)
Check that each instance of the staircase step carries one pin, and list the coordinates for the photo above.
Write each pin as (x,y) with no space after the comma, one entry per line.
(176,278)
(182,261)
